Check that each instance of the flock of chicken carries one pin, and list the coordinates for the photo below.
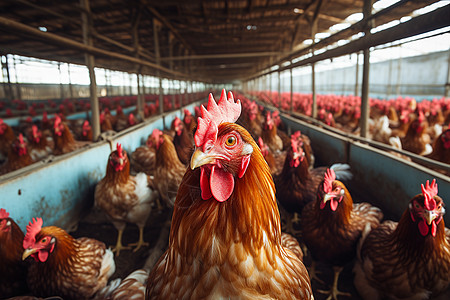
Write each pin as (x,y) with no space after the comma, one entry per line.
(33,141)
(227,174)
(418,127)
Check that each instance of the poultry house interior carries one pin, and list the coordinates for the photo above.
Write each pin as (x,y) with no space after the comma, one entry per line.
(262,149)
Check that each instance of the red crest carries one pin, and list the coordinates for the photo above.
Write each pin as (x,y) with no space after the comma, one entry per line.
(429,191)
(33,228)
(3,214)
(226,110)
(330,176)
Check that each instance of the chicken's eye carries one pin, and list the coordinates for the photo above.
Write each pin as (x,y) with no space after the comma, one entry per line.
(44,240)
(416,205)
(231,141)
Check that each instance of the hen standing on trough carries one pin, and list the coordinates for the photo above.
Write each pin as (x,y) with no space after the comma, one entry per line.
(64,266)
(125,198)
(225,238)
(12,268)
(409,259)
(332,226)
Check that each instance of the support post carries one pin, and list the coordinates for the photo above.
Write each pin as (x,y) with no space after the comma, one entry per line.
(89,58)
(61,88)
(70,81)
(19,93)
(365,108)
(156,27)
(292,90)
(279,90)
(357,75)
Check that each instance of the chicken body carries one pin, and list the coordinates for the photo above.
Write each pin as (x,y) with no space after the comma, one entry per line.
(332,225)
(64,266)
(132,287)
(406,260)
(18,156)
(64,141)
(40,146)
(225,238)
(123,197)
(12,269)
(7,136)
(182,141)
(169,170)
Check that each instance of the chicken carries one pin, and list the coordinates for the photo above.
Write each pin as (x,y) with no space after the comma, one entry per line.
(416,139)
(189,121)
(18,156)
(225,238)
(86,134)
(105,122)
(169,170)
(297,183)
(143,158)
(64,266)
(63,138)
(275,162)
(12,268)
(182,141)
(132,287)
(7,136)
(125,198)
(270,136)
(40,147)
(332,226)
(409,259)
(441,148)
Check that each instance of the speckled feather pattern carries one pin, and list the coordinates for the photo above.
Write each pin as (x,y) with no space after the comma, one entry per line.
(76,269)
(387,269)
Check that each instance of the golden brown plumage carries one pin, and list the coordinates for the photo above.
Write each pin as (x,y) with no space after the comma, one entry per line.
(227,245)
(143,159)
(64,141)
(409,259)
(123,197)
(12,268)
(182,140)
(18,156)
(416,139)
(169,170)
(64,266)
(441,149)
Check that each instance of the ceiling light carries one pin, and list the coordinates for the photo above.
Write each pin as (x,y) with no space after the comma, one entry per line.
(42,28)
(298,10)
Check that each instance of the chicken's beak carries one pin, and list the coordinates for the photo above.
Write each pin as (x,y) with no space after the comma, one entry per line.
(327,197)
(199,158)
(429,216)
(28,252)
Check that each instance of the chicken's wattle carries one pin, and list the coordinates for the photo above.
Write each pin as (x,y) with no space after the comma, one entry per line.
(217,183)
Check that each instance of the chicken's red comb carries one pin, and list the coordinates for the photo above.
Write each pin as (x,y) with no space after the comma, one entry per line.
(260,143)
(57,121)
(21,139)
(34,129)
(33,228)
(296,135)
(429,191)
(187,112)
(120,150)
(86,124)
(156,134)
(275,114)
(330,176)
(3,214)
(226,110)
(176,121)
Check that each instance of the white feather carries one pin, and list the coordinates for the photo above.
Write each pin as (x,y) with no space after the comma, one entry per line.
(342,171)
(395,142)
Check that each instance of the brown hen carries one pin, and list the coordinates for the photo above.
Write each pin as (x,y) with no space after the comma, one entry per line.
(12,268)
(64,266)
(332,226)
(409,259)
(225,238)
